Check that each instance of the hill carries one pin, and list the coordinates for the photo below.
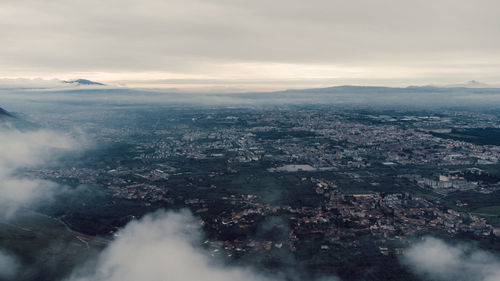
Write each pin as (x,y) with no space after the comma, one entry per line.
(84,82)
(4,113)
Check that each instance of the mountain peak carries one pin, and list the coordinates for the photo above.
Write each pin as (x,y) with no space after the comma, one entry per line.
(83,82)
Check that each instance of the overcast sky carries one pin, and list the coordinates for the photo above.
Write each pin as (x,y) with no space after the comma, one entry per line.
(252,44)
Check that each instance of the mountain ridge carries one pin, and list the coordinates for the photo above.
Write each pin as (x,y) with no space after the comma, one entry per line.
(84,82)
(5,113)
(386,89)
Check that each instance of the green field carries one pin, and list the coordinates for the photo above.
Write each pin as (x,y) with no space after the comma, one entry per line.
(491,210)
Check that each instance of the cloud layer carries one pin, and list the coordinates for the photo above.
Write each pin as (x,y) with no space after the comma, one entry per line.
(443,40)
(27,149)
(161,246)
(441,261)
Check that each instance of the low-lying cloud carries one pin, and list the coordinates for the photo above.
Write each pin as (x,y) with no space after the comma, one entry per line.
(438,260)
(9,266)
(162,246)
(27,149)
(40,84)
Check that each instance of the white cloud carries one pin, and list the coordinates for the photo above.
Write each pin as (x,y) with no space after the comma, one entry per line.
(37,83)
(27,149)
(49,83)
(439,260)
(162,246)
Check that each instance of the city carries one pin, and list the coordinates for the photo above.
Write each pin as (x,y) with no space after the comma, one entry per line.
(321,184)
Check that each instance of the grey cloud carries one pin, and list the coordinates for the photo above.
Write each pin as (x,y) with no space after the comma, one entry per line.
(439,260)
(9,265)
(197,36)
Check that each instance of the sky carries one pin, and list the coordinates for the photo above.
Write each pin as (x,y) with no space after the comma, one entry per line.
(257,45)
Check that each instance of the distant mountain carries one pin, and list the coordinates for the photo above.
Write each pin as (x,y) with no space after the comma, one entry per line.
(465,88)
(4,113)
(422,97)
(370,89)
(14,121)
(84,82)
(471,84)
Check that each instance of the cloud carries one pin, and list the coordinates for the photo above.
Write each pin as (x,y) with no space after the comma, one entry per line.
(22,83)
(439,260)
(27,149)
(9,265)
(162,246)
(436,39)
(45,84)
